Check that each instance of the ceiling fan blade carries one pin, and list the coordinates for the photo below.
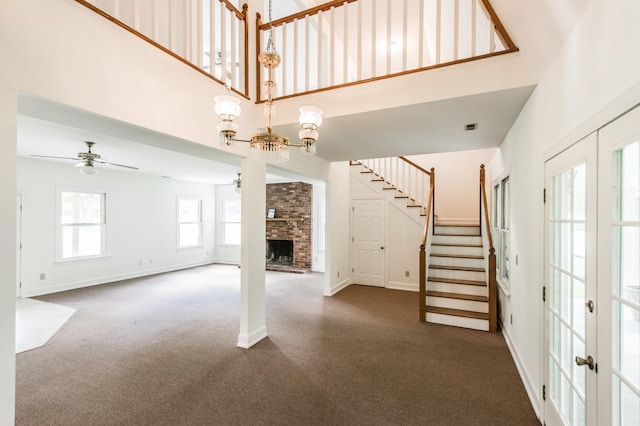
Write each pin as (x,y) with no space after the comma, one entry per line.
(52,156)
(119,165)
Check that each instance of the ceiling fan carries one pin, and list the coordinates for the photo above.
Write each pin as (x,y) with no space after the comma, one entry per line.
(87,160)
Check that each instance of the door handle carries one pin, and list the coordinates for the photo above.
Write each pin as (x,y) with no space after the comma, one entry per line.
(590,305)
(382,248)
(588,362)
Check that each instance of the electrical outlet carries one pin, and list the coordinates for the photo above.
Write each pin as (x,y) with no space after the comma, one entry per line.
(139,262)
(338,274)
(510,318)
(516,260)
(406,273)
(42,276)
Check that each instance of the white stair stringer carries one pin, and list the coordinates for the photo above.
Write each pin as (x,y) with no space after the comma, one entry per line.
(457,292)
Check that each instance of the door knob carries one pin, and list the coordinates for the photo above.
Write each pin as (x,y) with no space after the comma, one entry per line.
(382,248)
(589,361)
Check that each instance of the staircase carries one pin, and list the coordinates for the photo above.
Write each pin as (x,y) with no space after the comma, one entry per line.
(456,279)
(457,282)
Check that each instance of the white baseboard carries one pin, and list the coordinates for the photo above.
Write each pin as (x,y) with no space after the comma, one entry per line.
(246,341)
(108,279)
(533,395)
(227,261)
(392,285)
(336,288)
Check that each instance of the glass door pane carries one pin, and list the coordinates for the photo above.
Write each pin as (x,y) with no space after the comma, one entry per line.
(625,288)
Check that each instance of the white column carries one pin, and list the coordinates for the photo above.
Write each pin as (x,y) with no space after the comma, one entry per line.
(337,255)
(8,138)
(252,253)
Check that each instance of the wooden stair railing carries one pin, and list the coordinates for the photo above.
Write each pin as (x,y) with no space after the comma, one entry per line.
(178,29)
(492,283)
(423,247)
(342,38)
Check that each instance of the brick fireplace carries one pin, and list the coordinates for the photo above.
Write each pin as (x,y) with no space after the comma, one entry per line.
(293,204)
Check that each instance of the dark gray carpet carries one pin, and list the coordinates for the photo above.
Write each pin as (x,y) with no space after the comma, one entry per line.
(162,350)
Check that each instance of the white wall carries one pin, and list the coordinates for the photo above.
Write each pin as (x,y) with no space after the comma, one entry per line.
(8,135)
(457,195)
(595,78)
(141,226)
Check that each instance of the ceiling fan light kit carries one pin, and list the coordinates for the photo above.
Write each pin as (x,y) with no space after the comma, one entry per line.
(268,146)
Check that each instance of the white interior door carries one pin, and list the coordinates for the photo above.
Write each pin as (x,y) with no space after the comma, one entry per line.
(18,245)
(619,271)
(369,241)
(570,314)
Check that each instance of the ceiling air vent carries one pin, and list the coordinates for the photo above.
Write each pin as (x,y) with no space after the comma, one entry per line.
(470,126)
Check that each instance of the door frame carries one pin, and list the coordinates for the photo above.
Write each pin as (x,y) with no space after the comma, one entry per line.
(352,227)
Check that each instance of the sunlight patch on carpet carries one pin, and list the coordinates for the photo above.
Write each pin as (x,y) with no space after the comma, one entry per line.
(37,322)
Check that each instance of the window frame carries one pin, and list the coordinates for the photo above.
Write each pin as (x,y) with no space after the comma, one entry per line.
(224,221)
(501,229)
(199,222)
(104,213)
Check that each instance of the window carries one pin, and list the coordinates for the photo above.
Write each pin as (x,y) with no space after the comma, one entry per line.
(82,224)
(501,229)
(231,221)
(189,222)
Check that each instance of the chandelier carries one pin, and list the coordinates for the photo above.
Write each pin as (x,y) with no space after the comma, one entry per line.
(268,146)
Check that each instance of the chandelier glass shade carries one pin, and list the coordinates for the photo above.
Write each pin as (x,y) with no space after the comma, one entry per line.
(268,146)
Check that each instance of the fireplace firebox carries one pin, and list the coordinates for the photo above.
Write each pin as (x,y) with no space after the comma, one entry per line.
(279,253)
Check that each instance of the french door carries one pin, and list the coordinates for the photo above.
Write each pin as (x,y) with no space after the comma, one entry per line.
(619,270)
(570,314)
(369,241)
(592,266)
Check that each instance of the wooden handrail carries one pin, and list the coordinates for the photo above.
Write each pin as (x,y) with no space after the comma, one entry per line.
(429,204)
(501,31)
(318,84)
(492,284)
(242,16)
(309,12)
(483,192)
(422,291)
(406,160)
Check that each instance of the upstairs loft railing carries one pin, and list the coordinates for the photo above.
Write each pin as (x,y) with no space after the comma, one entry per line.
(211,36)
(346,42)
(491,260)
